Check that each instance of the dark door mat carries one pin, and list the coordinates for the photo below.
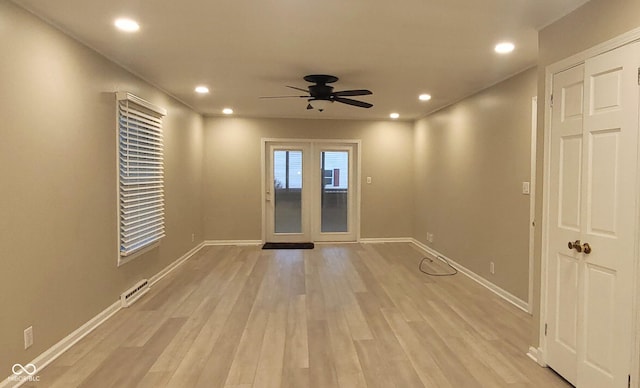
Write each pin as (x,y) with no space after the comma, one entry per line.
(306,245)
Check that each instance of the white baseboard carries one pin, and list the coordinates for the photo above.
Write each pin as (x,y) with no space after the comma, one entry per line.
(63,345)
(506,295)
(232,242)
(536,355)
(155,278)
(378,240)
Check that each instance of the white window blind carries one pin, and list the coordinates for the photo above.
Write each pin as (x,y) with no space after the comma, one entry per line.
(141,173)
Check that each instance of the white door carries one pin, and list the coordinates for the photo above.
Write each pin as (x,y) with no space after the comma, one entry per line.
(592,221)
(334,202)
(287,196)
(310,191)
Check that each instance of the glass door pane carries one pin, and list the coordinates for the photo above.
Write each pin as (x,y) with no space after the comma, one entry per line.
(334,193)
(287,189)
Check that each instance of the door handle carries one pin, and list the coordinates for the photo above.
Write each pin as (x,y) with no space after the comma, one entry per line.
(576,245)
(587,248)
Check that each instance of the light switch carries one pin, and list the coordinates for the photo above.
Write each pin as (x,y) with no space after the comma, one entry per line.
(369,179)
(525,188)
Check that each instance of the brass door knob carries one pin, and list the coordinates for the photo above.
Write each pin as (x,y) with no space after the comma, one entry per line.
(587,248)
(576,245)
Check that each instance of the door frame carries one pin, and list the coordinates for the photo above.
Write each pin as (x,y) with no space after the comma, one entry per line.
(532,201)
(357,146)
(575,60)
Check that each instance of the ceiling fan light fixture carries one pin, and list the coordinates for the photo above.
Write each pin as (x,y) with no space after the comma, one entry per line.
(320,105)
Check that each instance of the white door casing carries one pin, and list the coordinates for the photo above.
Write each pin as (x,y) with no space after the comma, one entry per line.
(592,199)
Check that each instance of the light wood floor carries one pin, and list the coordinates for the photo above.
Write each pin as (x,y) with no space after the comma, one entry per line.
(349,316)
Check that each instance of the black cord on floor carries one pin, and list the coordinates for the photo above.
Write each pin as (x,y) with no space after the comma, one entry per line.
(455,271)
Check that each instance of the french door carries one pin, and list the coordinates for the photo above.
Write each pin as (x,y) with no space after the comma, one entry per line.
(592,219)
(310,191)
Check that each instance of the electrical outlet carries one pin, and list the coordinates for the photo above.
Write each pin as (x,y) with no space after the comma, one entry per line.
(28,337)
(492,268)
(193,237)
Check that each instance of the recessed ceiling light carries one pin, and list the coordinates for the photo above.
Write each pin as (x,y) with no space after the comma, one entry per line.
(227,111)
(394,115)
(202,89)
(127,25)
(424,97)
(504,47)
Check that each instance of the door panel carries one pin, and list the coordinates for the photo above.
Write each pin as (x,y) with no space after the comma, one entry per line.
(603,186)
(570,183)
(599,313)
(566,303)
(572,93)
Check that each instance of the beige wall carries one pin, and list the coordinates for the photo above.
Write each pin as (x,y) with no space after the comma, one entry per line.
(471,159)
(58,247)
(595,22)
(232,182)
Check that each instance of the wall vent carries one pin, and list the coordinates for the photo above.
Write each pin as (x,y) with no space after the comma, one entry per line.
(134,293)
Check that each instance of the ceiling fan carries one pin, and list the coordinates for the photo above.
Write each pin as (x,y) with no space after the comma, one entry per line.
(320,94)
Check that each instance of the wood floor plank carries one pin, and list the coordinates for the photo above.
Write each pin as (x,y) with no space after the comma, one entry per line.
(296,355)
(421,358)
(340,315)
(295,378)
(271,360)
(345,356)
(388,342)
(373,364)
(322,372)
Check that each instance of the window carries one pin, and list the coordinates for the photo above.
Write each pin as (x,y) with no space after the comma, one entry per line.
(141,174)
(287,169)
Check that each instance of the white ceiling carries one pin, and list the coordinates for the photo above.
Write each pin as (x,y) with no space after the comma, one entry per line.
(246,49)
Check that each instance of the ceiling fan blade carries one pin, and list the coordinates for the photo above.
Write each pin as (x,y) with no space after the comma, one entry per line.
(300,89)
(358,92)
(285,97)
(349,101)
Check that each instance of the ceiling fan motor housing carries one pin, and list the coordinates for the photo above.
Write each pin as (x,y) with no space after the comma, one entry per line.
(320,92)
